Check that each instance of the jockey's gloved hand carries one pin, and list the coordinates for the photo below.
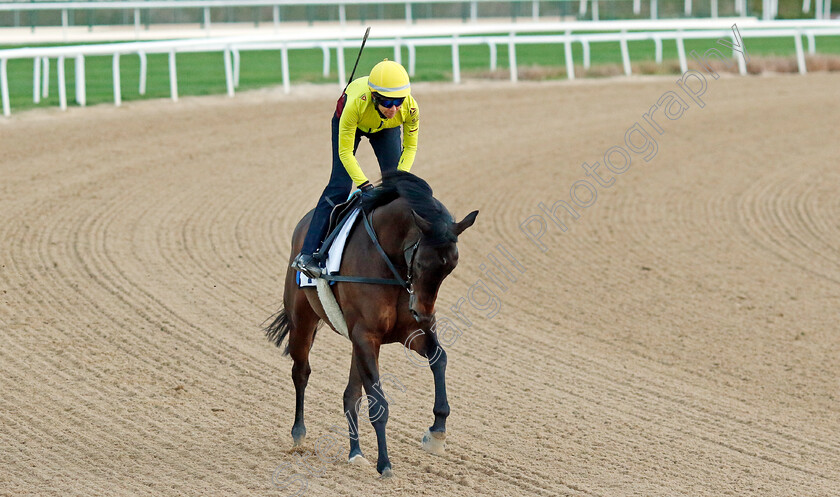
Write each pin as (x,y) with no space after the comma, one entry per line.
(365,190)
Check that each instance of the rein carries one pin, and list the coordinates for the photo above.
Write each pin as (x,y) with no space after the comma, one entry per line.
(409,252)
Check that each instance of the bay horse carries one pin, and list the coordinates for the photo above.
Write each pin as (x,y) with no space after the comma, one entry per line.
(418,235)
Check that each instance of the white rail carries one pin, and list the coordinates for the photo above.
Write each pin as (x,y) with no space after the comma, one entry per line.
(769,8)
(232,46)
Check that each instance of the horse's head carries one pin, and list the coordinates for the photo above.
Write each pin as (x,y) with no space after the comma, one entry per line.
(430,260)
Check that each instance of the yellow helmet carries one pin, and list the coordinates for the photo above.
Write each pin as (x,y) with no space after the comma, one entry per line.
(389,79)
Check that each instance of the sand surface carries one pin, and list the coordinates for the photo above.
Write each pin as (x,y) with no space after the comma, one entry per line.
(680,339)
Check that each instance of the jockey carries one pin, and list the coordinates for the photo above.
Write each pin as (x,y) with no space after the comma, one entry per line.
(374,107)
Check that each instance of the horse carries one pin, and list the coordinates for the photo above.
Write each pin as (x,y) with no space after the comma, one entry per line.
(419,237)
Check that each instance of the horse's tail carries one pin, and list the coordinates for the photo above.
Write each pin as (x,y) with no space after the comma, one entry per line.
(278,329)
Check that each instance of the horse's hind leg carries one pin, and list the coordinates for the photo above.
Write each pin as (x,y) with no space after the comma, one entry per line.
(302,334)
(352,394)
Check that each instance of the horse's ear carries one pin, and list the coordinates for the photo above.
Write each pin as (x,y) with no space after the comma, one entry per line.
(424,225)
(465,223)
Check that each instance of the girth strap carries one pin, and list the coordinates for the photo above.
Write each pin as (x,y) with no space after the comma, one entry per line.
(360,279)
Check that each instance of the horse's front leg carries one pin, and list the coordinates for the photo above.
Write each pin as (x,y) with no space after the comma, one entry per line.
(366,354)
(435,436)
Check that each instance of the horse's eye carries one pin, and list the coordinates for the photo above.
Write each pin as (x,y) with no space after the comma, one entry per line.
(444,261)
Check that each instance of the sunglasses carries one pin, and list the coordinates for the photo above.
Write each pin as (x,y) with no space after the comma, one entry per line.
(388,102)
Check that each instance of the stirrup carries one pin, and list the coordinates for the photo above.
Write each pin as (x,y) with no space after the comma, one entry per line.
(311,270)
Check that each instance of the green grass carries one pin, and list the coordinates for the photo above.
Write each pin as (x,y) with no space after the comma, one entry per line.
(203,73)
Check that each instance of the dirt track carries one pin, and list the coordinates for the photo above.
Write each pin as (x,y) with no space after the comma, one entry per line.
(681,339)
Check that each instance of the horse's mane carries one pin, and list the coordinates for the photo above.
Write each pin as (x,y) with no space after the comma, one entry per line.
(400,184)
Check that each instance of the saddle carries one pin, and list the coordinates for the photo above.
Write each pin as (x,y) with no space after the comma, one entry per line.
(338,217)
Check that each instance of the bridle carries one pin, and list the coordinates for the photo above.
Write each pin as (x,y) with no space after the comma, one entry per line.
(409,253)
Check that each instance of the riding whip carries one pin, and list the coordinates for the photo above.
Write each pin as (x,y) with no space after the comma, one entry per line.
(364,40)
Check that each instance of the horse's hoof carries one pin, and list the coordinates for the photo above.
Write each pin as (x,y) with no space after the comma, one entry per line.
(387,473)
(358,460)
(434,442)
(299,436)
